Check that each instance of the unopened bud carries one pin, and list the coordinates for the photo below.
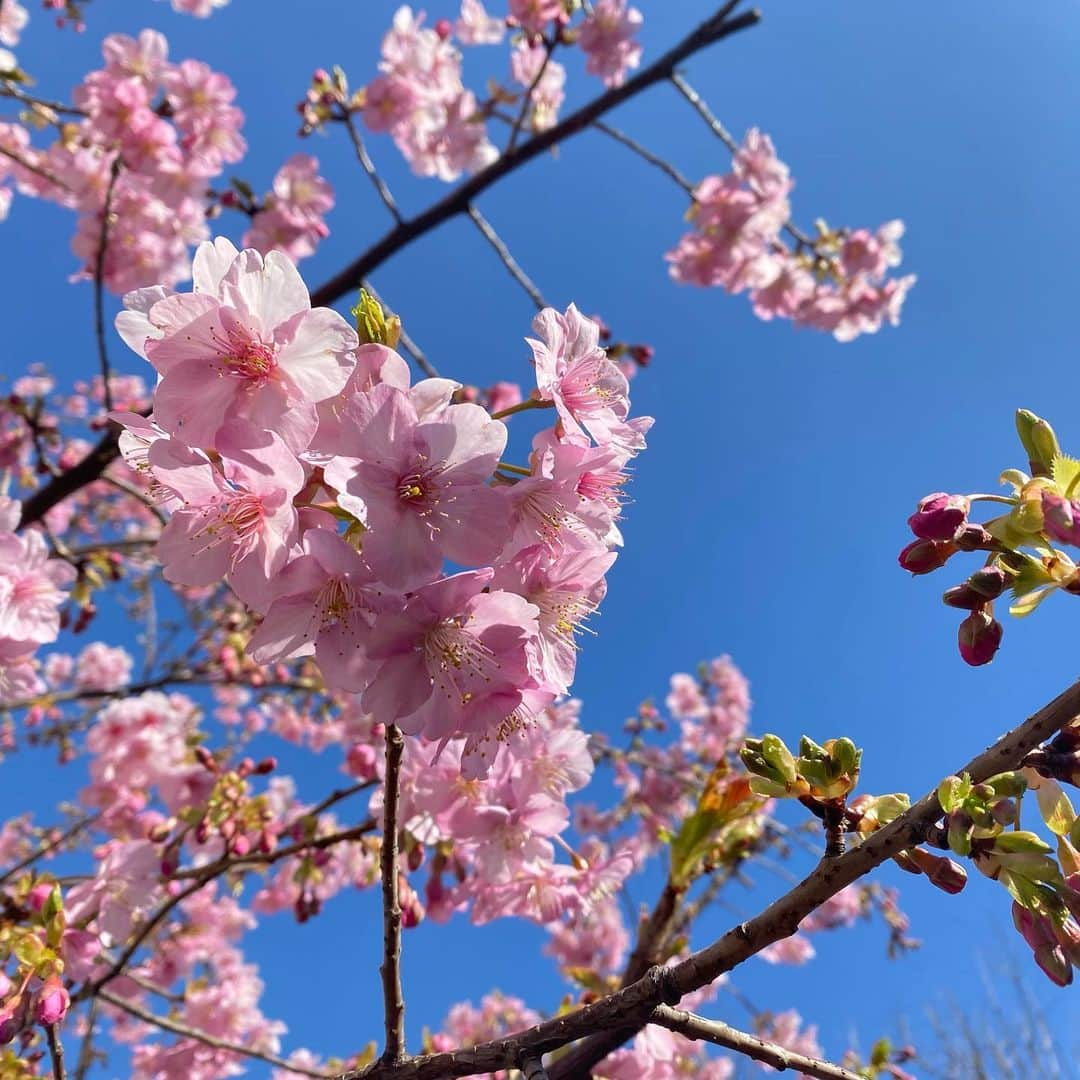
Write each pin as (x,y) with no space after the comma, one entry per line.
(989,582)
(925,556)
(963,597)
(974,537)
(939,516)
(1039,441)
(13,1017)
(979,638)
(51,1002)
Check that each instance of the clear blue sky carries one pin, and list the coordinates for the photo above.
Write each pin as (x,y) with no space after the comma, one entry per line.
(768,511)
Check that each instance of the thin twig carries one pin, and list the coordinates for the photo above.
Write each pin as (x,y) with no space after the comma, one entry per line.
(11,90)
(86,1050)
(177,1028)
(508,260)
(99,284)
(369,166)
(50,847)
(642,152)
(526,100)
(390,970)
(725,136)
(135,493)
(703,110)
(261,858)
(56,1052)
(37,170)
(714,1031)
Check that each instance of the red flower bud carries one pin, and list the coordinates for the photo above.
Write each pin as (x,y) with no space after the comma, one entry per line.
(924,556)
(444,28)
(939,516)
(963,597)
(979,638)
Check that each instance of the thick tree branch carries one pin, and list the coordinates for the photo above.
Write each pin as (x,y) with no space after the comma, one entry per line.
(712,30)
(36,506)
(166,1023)
(696,1027)
(390,970)
(620,1015)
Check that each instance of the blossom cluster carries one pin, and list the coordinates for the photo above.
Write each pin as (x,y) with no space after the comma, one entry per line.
(272,424)
(32,592)
(138,163)
(436,122)
(837,282)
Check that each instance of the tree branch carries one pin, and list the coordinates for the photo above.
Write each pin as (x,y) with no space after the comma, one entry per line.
(99,285)
(618,1016)
(646,154)
(508,260)
(36,506)
(56,1052)
(696,1027)
(390,970)
(177,1028)
(712,30)
(369,166)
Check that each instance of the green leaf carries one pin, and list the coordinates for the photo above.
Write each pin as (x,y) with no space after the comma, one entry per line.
(1026,604)
(1055,807)
(1065,472)
(1021,843)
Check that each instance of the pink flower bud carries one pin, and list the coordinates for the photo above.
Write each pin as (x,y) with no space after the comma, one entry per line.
(1061,518)
(38,895)
(925,556)
(51,1002)
(13,1017)
(241,845)
(939,516)
(444,28)
(360,761)
(1055,964)
(979,638)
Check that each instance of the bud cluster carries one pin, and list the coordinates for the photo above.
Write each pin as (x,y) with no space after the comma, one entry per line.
(982,821)
(1020,544)
(31,932)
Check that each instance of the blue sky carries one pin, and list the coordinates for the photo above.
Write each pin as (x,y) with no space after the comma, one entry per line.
(769,508)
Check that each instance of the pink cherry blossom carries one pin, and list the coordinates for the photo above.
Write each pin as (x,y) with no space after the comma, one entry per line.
(424,484)
(324,606)
(476,27)
(607,38)
(456,660)
(239,522)
(256,351)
